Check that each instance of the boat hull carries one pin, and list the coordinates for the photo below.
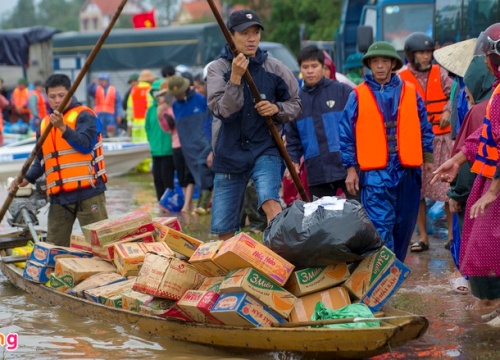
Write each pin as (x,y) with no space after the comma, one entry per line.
(318,342)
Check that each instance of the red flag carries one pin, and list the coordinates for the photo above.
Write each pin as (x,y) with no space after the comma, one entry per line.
(144,20)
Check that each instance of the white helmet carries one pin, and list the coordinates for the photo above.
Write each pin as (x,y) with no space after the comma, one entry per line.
(179,69)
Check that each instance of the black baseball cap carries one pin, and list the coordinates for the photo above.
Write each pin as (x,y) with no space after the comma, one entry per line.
(242,19)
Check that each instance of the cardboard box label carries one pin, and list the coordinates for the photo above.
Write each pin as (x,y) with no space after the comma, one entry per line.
(211,284)
(45,253)
(310,280)
(81,268)
(37,272)
(203,259)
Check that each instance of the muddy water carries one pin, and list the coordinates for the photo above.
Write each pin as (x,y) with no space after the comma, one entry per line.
(46,332)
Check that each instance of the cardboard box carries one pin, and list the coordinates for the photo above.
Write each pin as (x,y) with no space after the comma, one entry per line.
(386,285)
(177,241)
(211,284)
(254,283)
(171,222)
(241,309)
(310,280)
(242,251)
(132,300)
(58,283)
(166,277)
(95,281)
(111,230)
(79,242)
(334,298)
(369,271)
(81,268)
(37,272)
(45,253)
(203,259)
(128,257)
(197,305)
(102,294)
(107,252)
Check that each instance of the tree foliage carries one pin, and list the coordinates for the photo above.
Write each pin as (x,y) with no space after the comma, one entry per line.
(282,19)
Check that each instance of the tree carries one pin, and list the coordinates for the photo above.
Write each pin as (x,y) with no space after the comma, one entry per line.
(49,14)
(23,15)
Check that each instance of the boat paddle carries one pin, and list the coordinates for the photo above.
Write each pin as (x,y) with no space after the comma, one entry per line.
(256,95)
(342,321)
(60,108)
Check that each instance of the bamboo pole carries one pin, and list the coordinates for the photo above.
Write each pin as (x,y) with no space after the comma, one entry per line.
(62,106)
(256,95)
(341,321)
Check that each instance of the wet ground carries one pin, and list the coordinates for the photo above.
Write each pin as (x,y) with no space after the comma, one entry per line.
(46,332)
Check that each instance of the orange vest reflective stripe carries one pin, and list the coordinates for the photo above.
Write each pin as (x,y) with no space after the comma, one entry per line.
(20,99)
(105,103)
(486,160)
(434,97)
(371,138)
(66,169)
(40,104)
(139,95)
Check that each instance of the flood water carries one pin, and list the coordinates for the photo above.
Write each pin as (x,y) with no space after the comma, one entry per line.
(47,332)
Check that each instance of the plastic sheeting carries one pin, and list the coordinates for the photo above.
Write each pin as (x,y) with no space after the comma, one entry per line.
(15,43)
(322,233)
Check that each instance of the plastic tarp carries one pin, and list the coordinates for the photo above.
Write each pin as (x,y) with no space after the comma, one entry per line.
(322,232)
(15,43)
(124,49)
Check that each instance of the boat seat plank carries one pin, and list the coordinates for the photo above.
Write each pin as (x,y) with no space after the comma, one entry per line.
(14,259)
(12,242)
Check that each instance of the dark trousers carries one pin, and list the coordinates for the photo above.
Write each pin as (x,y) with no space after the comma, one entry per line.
(163,174)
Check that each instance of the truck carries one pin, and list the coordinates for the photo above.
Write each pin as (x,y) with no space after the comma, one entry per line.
(446,21)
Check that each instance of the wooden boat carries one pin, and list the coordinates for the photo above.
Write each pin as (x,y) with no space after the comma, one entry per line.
(317,342)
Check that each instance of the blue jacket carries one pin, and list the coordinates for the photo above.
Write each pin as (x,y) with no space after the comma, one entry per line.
(315,133)
(83,139)
(387,97)
(239,134)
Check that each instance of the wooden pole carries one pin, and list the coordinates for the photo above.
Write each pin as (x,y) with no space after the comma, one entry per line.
(62,106)
(256,95)
(341,321)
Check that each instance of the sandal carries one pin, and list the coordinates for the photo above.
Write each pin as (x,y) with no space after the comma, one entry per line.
(491,315)
(419,246)
(447,245)
(460,285)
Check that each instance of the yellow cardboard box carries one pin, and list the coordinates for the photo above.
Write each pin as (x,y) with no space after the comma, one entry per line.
(310,280)
(80,242)
(177,241)
(203,259)
(128,257)
(80,268)
(254,283)
(211,284)
(132,300)
(104,293)
(334,298)
(166,277)
(242,251)
(171,222)
(95,281)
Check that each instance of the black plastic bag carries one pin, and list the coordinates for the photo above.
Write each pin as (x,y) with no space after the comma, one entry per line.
(323,237)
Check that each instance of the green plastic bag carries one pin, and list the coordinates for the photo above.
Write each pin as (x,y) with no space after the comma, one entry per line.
(321,312)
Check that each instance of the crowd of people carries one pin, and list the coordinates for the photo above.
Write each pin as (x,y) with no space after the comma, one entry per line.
(398,134)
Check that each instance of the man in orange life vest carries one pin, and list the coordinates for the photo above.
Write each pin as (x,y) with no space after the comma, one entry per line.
(19,100)
(107,104)
(384,131)
(37,105)
(138,102)
(434,86)
(73,163)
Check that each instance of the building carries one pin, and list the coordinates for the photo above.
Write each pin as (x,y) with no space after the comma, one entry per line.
(196,11)
(95,15)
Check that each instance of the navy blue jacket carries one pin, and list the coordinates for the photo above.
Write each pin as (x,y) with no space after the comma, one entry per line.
(315,133)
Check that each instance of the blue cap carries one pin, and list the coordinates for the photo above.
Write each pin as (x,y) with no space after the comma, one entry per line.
(103,76)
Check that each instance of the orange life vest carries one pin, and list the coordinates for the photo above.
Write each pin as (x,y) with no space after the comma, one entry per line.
(20,99)
(66,169)
(40,103)
(139,94)
(486,160)
(434,97)
(371,138)
(105,103)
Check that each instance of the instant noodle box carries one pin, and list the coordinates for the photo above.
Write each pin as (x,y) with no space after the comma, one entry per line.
(128,257)
(242,251)
(79,242)
(310,280)
(211,283)
(334,298)
(203,259)
(171,222)
(80,268)
(197,305)
(133,300)
(178,242)
(45,253)
(37,272)
(241,309)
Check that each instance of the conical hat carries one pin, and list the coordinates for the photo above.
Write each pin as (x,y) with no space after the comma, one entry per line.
(457,57)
